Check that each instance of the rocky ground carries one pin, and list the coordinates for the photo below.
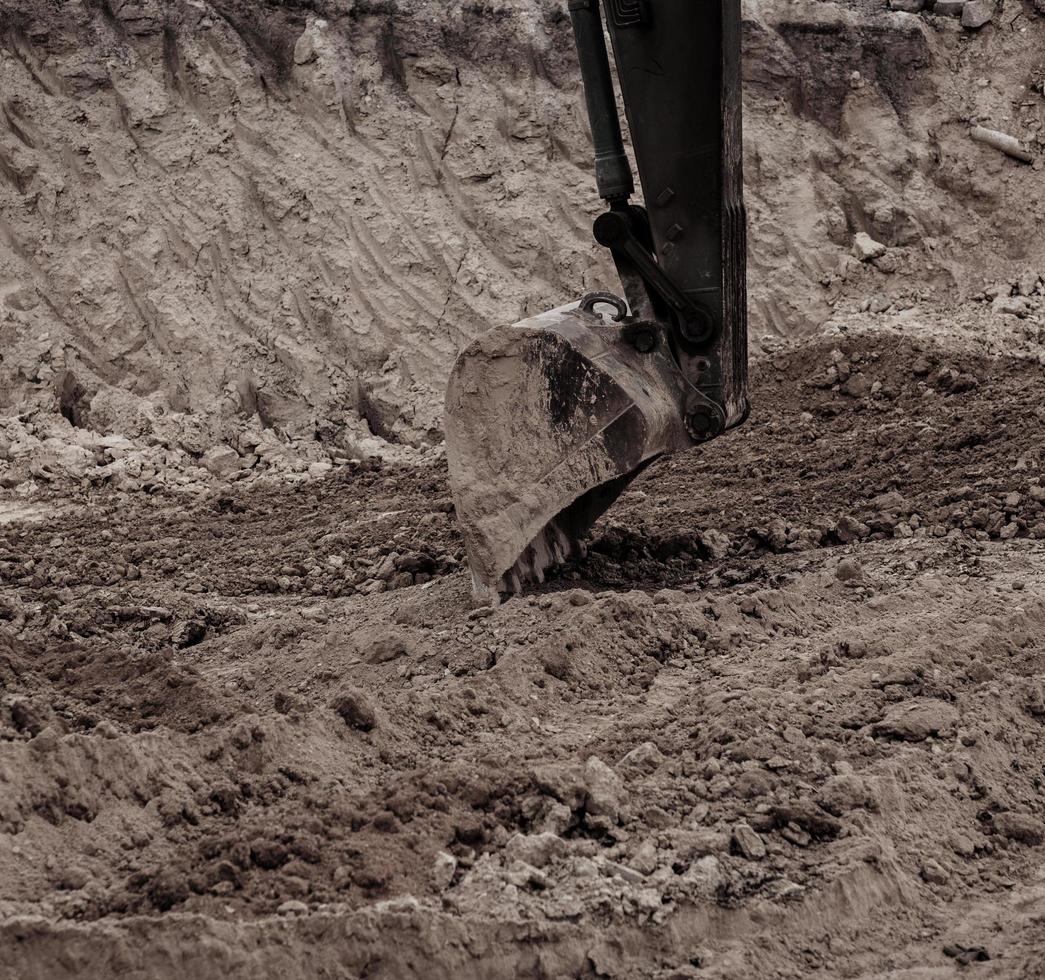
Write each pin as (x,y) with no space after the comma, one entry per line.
(786,719)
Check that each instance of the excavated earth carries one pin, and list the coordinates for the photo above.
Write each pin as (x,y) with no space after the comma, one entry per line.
(787,718)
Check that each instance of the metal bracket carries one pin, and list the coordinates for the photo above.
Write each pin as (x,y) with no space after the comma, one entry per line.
(614,231)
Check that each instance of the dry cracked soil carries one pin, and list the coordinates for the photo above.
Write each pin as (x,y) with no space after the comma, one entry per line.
(787,717)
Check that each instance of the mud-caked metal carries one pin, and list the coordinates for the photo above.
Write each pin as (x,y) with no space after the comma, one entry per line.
(548,420)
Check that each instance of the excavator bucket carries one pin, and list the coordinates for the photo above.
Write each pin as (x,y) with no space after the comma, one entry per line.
(549,420)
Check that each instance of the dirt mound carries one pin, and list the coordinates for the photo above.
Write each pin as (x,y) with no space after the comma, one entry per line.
(275,721)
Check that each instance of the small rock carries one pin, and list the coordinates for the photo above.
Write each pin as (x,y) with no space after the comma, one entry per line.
(535,849)
(706,876)
(843,793)
(304,49)
(414,562)
(879,303)
(188,634)
(849,570)
(1016,306)
(858,386)
(715,543)
(934,873)
(922,367)
(292,907)
(268,854)
(630,875)
(693,844)
(73,878)
(382,644)
(28,717)
(646,859)
(850,529)
(644,758)
(888,263)
(965,955)
(915,721)
(865,248)
(45,742)
(606,792)
(809,818)
(751,785)
(963,846)
(1019,827)
(385,570)
(555,819)
(977,13)
(220,460)
(907,6)
(443,870)
(747,843)
(356,710)
(1027,284)
(950,8)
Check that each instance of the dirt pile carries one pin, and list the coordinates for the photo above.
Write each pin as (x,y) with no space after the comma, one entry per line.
(794,692)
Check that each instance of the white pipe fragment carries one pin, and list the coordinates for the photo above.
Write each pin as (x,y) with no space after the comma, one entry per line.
(1001,141)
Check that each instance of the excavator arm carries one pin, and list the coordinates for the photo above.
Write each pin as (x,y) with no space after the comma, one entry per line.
(548,420)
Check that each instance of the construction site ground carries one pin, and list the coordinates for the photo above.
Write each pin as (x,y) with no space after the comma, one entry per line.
(785,720)
(787,717)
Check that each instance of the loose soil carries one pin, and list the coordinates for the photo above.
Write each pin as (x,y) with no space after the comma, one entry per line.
(794,693)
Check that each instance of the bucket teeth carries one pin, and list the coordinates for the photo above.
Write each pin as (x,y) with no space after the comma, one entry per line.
(552,548)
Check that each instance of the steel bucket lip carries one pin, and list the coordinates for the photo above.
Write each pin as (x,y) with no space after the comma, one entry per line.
(541,414)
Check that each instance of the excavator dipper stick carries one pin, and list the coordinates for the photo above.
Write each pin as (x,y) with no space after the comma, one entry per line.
(550,419)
